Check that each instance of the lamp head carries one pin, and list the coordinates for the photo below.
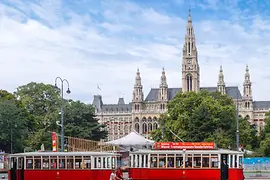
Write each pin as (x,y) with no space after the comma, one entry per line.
(68,91)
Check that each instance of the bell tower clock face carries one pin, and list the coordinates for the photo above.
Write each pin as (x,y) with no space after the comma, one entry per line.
(188,61)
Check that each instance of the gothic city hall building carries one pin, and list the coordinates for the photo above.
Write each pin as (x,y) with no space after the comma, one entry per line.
(143,112)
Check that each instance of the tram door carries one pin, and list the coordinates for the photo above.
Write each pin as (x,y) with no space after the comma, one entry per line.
(22,166)
(13,170)
(224,167)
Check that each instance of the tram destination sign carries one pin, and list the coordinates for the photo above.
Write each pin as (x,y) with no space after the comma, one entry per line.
(185,145)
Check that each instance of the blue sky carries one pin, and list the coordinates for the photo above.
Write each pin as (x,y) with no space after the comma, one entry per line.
(103,42)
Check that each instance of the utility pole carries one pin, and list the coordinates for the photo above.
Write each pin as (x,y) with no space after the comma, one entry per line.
(237,123)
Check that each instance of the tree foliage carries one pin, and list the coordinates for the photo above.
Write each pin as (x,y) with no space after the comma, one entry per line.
(204,116)
(81,122)
(42,102)
(15,123)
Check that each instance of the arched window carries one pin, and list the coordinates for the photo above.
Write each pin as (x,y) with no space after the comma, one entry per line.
(155,126)
(189,82)
(137,127)
(150,128)
(144,128)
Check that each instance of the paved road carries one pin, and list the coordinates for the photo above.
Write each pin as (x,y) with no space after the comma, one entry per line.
(3,176)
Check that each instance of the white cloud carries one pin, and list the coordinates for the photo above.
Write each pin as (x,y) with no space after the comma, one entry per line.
(82,52)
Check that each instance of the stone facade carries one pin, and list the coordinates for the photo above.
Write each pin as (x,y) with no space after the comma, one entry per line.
(142,113)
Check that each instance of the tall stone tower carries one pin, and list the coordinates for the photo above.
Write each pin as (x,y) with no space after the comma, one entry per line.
(247,94)
(137,99)
(163,91)
(221,84)
(190,65)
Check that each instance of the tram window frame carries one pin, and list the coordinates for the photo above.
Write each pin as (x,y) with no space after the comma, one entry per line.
(241,161)
(78,159)
(70,162)
(61,159)
(189,161)
(87,162)
(197,161)
(214,156)
(154,164)
(20,162)
(179,158)
(162,156)
(29,159)
(171,157)
(45,160)
(207,158)
(53,162)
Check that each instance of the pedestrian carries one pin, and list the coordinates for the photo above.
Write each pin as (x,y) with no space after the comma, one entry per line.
(113,175)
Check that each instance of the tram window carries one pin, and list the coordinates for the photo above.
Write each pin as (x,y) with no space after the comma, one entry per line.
(188,161)
(78,162)
(45,162)
(20,163)
(70,163)
(241,161)
(61,162)
(87,162)
(29,163)
(179,160)
(53,162)
(205,160)
(37,161)
(214,161)
(162,160)
(170,161)
(197,161)
(153,160)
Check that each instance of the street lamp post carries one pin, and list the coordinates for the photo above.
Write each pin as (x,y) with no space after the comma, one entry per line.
(62,107)
(237,121)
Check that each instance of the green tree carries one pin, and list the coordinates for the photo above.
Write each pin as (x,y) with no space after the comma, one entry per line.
(43,102)
(81,122)
(201,116)
(264,149)
(15,123)
(248,134)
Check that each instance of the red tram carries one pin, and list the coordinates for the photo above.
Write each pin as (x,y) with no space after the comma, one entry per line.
(189,161)
(167,161)
(61,165)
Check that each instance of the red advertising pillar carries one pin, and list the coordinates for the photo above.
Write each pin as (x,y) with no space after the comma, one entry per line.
(54,142)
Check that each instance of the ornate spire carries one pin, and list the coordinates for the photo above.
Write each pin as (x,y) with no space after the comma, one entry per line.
(138,81)
(163,82)
(221,84)
(221,76)
(189,48)
(247,84)
(247,75)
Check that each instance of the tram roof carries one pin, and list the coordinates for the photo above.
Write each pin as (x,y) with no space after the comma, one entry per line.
(214,151)
(64,154)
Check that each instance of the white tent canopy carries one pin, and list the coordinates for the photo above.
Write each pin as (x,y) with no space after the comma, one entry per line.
(132,139)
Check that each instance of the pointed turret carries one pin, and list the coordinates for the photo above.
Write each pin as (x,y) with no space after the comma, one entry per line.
(247,84)
(163,91)
(221,84)
(190,65)
(137,92)
(247,91)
